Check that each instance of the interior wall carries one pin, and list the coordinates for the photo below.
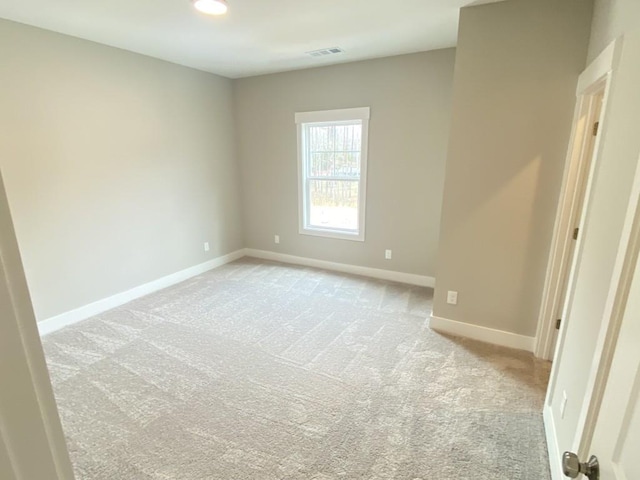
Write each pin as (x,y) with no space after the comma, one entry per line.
(118,167)
(517,65)
(611,19)
(410,98)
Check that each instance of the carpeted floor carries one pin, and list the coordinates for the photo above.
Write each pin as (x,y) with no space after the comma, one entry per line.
(264,371)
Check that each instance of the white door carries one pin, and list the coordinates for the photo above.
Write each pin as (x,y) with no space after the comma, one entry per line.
(616,434)
(588,144)
(616,440)
(32,445)
(604,271)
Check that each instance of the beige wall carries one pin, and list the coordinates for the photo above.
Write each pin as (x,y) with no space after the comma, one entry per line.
(117,166)
(517,64)
(410,99)
(606,208)
(611,18)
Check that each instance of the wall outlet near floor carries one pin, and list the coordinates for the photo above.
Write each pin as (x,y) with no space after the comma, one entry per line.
(276,239)
(387,254)
(563,405)
(206,246)
(452,297)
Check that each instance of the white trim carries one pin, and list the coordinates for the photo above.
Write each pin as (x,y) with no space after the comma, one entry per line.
(555,464)
(611,316)
(332,117)
(578,177)
(401,277)
(82,313)
(329,233)
(576,180)
(360,113)
(483,334)
(623,273)
(29,406)
(599,68)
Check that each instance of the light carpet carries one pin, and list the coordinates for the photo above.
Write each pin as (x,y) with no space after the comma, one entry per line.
(259,370)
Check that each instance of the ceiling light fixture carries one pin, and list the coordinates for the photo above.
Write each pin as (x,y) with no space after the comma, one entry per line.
(211,7)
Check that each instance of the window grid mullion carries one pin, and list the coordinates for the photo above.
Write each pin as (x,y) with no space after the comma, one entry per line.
(307,189)
(335,179)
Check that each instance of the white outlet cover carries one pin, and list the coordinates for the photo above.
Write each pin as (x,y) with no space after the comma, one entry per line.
(388,254)
(452,297)
(206,246)
(276,238)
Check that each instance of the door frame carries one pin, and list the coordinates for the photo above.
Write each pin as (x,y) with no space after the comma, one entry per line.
(31,437)
(603,68)
(582,157)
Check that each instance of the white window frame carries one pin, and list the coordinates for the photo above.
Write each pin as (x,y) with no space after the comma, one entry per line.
(332,117)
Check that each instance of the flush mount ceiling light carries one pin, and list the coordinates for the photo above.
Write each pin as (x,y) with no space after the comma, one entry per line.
(211,7)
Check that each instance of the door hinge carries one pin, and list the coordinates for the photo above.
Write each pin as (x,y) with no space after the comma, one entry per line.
(558,322)
(575,233)
(596,126)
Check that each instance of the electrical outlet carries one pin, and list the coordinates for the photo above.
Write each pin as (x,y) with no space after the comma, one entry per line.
(276,238)
(387,254)
(206,246)
(563,405)
(452,297)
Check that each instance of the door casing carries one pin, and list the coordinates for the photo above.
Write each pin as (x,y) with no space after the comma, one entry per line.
(32,444)
(598,76)
(584,149)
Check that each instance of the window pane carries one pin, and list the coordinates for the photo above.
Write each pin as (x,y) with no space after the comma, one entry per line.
(333,204)
(321,164)
(334,150)
(347,164)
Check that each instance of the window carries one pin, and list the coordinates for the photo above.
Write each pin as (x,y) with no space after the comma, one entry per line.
(332,165)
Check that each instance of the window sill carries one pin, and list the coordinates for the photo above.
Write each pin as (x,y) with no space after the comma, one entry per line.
(319,232)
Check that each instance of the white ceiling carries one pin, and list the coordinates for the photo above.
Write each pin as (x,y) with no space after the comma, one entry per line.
(256,36)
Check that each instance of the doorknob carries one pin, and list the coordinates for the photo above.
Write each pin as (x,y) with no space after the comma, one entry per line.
(572,467)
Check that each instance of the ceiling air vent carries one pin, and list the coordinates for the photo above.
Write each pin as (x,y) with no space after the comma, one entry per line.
(325,51)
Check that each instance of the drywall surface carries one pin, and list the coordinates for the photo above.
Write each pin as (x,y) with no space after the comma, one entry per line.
(611,19)
(517,65)
(118,167)
(410,99)
(603,226)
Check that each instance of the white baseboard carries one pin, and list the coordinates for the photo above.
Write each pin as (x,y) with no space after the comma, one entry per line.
(73,316)
(410,278)
(483,334)
(555,464)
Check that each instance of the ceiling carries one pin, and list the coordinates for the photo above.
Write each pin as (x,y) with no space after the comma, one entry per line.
(256,36)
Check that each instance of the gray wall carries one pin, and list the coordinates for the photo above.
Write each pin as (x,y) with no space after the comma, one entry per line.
(410,99)
(117,166)
(516,69)
(611,19)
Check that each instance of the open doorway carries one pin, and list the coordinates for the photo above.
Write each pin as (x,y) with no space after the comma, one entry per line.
(578,176)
